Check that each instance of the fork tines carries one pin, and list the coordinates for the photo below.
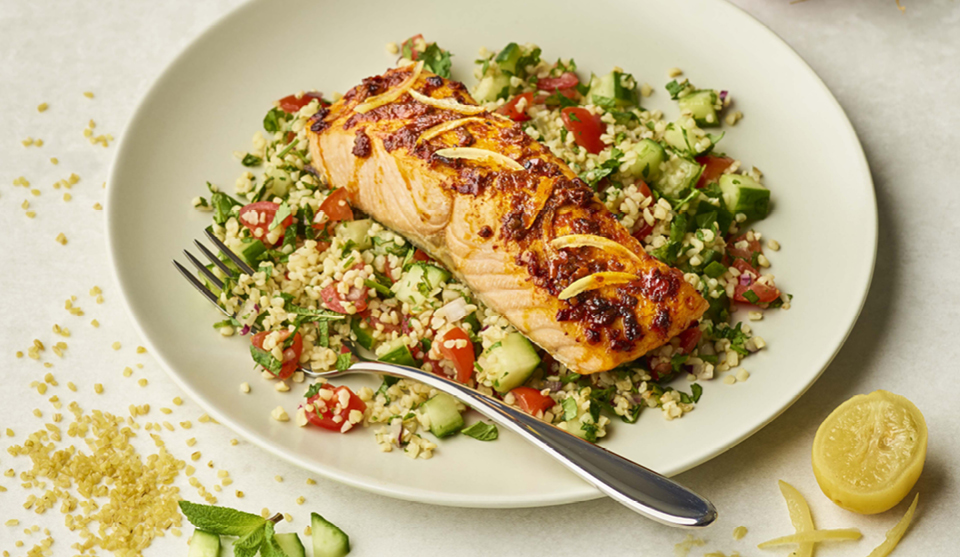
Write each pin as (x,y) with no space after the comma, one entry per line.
(207,273)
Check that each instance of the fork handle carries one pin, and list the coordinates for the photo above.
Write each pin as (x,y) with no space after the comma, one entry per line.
(639,489)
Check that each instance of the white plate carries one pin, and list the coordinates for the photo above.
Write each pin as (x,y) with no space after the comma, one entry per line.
(212,98)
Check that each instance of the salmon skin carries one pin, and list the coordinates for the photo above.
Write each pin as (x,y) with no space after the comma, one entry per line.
(491,221)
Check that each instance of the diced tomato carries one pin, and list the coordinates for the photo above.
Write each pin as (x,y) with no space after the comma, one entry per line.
(420,255)
(333,300)
(753,246)
(586,128)
(331,413)
(291,354)
(335,208)
(744,267)
(511,111)
(644,189)
(291,103)
(532,401)
(764,292)
(258,217)
(567,80)
(689,339)
(411,42)
(713,167)
(462,356)
(660,368)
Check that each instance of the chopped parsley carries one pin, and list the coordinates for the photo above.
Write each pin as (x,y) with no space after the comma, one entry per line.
(481,431)
(251,160)
(436,60)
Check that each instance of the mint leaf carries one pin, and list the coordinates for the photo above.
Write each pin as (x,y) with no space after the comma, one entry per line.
(344,360)
(266,360)
(222,521)
(481,431)
(436,60)
(270,547)
(249,545)
(312,390)
(697,390)
(283,211)
(569,408)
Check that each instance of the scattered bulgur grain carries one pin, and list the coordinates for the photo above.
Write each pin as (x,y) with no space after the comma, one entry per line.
(281,387)
(19,354)
(177,400)
(288,517)
(88,94)
(71,386)
(54,160)
(115,345)
(278,478)
(31,214)
(646,90)
(10,432)
(239,494)
(311,481)
(35,192)
(27,142)
(98,388)
(301,500)
(95,323)
(392,48)
(739,532)
(234,442)
(733,118)
(127,371)
(166,410)
(743,375)
(97,206)
(773,245)
(674,72)
(142,382)
(141,350)
(25,204)
(195,456)
(186,425)
(244,387)
(279,414)
(12,522)
(265,512)
(67,197)
(42,107)
(729,380)
(39,143)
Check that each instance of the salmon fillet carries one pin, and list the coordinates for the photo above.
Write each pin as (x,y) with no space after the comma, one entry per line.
(491,221)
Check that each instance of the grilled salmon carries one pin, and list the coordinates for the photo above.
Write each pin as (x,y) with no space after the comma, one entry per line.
(504,215)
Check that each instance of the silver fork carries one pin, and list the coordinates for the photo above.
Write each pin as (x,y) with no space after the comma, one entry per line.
(636,487)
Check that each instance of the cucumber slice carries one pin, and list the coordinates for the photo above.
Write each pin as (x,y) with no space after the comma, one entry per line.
(742,194)
(204,544)
(328,540)
(418,282)
(508,57)
(511,362)
(702,106)
(363,333)
(251,254)
(678,174)
(445,419)
(620,87)
(650,156)
(686,140)
(290,544)
(491,88)
(576,427)
(356,231)
(399,353)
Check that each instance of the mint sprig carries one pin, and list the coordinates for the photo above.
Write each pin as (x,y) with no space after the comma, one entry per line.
(254,533)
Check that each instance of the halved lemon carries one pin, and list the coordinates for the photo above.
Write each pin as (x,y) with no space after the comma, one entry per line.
(869,452)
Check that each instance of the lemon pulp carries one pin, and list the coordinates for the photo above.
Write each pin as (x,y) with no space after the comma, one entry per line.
(869,452)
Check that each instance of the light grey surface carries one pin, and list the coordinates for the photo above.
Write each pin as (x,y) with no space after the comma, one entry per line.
(895,74)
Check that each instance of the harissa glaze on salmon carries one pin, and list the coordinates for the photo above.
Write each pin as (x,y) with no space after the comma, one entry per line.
(490,223)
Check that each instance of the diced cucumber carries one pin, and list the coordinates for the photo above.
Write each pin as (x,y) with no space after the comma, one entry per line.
(742,194)
(702,106)
(620,87)
(492,87)
(363,333)
(650,156)
(356,231)
(684,139)
(511,362)
(445,419)
(508,57)
(328,540)
(251,254)
(290,544)
(576,427)
(679,173)
(399,353)
(204,544)
(418,282)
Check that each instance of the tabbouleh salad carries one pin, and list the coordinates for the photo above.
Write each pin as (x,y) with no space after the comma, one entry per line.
(325,272)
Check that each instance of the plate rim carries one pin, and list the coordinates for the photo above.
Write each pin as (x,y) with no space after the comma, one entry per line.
(375,485)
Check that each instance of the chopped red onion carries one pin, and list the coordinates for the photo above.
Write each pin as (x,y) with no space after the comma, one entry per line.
(746,280)
(256,308)
(245,330)
(554,386)
(723,96)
